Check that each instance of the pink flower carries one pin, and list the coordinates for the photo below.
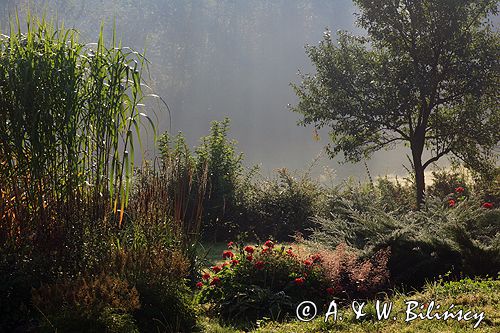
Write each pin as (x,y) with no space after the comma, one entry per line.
(227,254)
(249,249)
(459,189)
(299,281)
(216,269)
(259,265)
(451,203)
(487,205)
(199,284)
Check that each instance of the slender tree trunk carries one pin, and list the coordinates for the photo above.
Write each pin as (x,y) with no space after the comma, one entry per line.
(419,183)
(417,149)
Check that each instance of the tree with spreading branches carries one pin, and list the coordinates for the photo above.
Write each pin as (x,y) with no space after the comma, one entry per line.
(426,74)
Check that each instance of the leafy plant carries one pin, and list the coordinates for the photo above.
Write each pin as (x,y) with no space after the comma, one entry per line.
(259,282)
(462,238)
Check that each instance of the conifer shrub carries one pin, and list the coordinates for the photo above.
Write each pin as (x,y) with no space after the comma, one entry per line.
(457,236)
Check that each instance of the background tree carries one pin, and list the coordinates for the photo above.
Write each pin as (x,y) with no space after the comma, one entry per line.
(426,75)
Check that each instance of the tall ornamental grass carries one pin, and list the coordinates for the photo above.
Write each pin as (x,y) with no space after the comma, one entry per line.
(70,117)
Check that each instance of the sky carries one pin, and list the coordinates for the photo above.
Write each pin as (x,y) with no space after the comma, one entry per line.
(229,58)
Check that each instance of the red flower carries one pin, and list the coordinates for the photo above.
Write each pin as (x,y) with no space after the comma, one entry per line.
(205,276)
(199,284)
(290,252)
(234,262)
(225,264)
(230,245)
(259,265)
(215,281)
(216,269)
(227,254)
(451,202)
(459,189)
(308,262)
(487,205)
(249,249)
(249,258)
(316,257)
(330,291)
(269,243)
(265,250)
(299,281)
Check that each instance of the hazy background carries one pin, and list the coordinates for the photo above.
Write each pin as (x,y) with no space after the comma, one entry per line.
(212,59)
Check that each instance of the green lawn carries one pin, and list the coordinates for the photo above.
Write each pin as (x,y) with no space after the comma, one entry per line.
(212,252)
(473,295)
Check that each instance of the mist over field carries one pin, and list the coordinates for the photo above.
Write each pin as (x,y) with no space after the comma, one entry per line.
(212,59)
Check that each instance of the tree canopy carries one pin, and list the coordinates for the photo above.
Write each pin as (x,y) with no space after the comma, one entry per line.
(426,75)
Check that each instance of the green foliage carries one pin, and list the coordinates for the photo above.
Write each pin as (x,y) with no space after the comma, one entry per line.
(214,170)
(281,207)
(165,307)
(70,115)
(225,168)
(261,282)
(462,239)
(446,182)
(425,75)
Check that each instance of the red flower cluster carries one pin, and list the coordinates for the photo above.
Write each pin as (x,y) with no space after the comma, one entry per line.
(299,281)
(249,258)
(199,284)
(269,243)
(230,245)
(215,281)
(487,205)
(459,189)
(249,249)
(266,250)
(205,276)
(316,257)
(290,252)
(227,255)
(308,263)
(234,262)
(259,265)
(451,203)
(216,269)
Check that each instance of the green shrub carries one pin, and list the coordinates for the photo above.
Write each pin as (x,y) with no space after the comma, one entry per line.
(259,282)
(463,239)
(225,169)
(281,207)
(165,307)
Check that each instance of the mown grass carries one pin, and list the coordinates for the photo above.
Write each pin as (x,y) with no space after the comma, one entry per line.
(467,294)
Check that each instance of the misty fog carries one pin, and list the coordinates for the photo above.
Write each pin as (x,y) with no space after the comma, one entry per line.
(235,58)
